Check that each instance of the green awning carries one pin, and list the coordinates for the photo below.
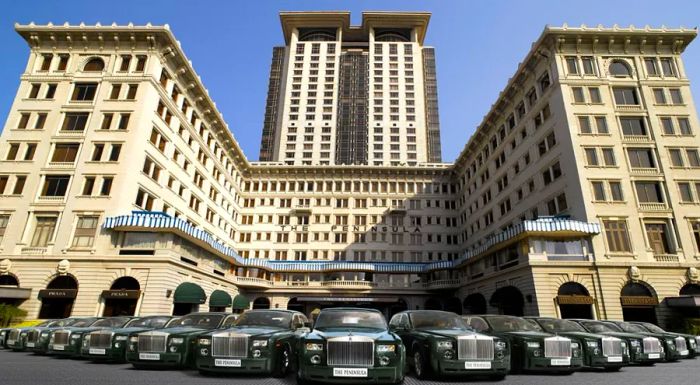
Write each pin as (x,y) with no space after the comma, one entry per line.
(220,298)
(189,292)
(241,302)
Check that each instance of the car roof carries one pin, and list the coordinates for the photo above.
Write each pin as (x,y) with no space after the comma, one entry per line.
(275,310)
(208,313)
(425,311)
(351,309)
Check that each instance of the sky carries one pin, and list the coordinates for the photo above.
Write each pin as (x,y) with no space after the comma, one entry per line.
(478,45)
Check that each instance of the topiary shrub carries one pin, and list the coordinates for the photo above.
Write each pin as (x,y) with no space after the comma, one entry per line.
(10,313)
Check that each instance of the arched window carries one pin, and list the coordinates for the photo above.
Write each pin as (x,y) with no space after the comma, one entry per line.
(634,289)
(475,304)
(508,300)
(261,303)
(94,65)
(690,289)
(125,283)
(8,280)
(572,288)
(619,68)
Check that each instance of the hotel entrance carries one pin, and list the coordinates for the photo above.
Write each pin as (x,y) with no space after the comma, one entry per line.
(311,305)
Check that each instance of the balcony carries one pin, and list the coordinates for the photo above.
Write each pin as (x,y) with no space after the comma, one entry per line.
(34,250)
(636,138)
(51,199)
(348,284)
(666,257)
(62,164)
(653,206)
(442,284)
(644,170)
(628,107)
(253,282)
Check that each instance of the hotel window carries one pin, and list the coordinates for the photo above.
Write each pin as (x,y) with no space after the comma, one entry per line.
(667,67)
(551,174)
(55,185)
(34,91)
(88,185)
(598,191)
(126,61)
(588,65)
(19,185)
(676,157)
(617,235)
(106,186)
(62,63)
(140,63)
(572,65)
(145,200)
(686,192)
(625,96)
(616,191)
(115,92)
(65,152)
(650,64)
(676,96)
(75,121)
(158,140)
(544,81)
(84,91)
(85,231)
(641,157)
(40,121)
(591,156)
(43,230)
(659,238)
(594,95)
(579,97)
(649,192)
(633,126)
(46,62)
(123,121)
(23,120)
(4,220)
(619,68)
(696,233)
(659,96)
(50,91)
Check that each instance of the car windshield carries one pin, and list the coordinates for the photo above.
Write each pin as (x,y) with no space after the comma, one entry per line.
(45,324)
(112,322)
(275,319)
(148,322)
(597,327)
(631,328)
(350,319)
(511,324)
(437,320)
(652,328)
(81,323)
(615,327)
(198,320)
(559,325)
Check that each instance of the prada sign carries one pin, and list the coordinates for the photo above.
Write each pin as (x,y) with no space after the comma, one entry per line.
(121,294)
(574,300)
(58,293)
(356,228)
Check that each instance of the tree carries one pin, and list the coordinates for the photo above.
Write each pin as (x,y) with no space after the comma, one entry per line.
(10,312)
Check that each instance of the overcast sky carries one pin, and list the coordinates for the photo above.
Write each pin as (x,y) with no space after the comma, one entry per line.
(478,45)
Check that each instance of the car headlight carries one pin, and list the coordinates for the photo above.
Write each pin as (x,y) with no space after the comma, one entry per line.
(444,344)
(634,343)
(386,348)
(205,341)
(500,345)
(592,344)
(134,339)
(177,340)
(314,346)
(533,345)
(259,343)
(121,338)
(574,345)
(74,337)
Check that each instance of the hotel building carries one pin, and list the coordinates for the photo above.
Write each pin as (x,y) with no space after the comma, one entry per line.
(123,191)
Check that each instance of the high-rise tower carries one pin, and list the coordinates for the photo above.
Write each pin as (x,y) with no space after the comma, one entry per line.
(344,94)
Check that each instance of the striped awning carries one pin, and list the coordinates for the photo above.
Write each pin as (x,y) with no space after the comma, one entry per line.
(158,221)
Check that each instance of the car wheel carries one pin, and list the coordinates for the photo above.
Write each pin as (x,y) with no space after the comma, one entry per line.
(420,366)
(497,377)
(613,369)
(284,361)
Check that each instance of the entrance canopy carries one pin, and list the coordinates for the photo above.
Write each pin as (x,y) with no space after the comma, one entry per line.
(189,292)
(220,298)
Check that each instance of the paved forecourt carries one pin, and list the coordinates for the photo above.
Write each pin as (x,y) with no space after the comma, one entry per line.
(26,368)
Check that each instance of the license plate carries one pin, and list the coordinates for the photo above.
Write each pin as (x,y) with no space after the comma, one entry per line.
(477,365)
(10,342)
(30,344)
(684,352)
(97,351)
(59,347)
(654,355)
(561,361)
(149,356)
(349,372)
(228,363)
(615,359)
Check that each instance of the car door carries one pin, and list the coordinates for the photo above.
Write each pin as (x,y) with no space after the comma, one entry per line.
(401,325)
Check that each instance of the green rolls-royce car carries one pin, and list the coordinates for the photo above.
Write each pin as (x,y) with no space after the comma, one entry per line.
(260,341)
(675,348)
(174,345)
(110,344)
(691,341)
(643,349)
(16,338)
(349,345)
(68,341)
(439,342)
(531,349)
(38,340)
(599,351)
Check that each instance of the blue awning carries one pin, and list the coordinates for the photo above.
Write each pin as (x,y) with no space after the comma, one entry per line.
(158,221)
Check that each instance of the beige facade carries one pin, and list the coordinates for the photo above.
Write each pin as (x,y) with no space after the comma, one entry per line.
(570,199)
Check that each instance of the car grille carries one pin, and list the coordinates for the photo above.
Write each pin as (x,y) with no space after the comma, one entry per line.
(350,351)
(14,335)
(61,337)
(557,347)
(229,345)
(652,345)
(681,344)
(475,348)
(100,340)
(152,342)
(33,336)
(612,346)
